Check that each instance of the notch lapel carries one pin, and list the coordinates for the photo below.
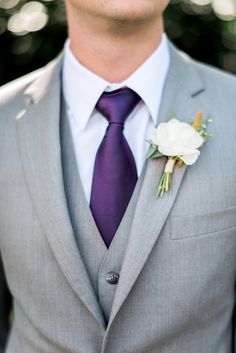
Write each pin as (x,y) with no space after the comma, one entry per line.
(39,141)
(182,87)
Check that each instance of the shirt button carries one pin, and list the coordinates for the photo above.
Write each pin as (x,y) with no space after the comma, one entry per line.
(112,277)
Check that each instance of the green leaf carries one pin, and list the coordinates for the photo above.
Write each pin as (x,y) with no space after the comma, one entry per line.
(152,150)
(156,154)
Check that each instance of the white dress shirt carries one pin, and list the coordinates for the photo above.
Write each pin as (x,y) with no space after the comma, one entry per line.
(82,89)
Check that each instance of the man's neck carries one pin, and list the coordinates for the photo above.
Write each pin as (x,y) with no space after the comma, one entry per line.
(114,53)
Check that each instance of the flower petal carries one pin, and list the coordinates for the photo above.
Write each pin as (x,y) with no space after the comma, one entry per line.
(196,140)
(190,158)
(160,135)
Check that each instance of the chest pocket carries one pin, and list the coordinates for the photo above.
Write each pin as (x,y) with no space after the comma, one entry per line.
(191,226)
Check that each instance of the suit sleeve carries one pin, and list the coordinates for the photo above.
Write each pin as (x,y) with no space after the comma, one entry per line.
(5,309)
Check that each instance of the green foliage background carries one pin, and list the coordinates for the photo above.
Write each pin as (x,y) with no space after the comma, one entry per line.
(195,26)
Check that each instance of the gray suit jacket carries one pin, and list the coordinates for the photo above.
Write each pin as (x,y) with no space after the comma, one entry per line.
(176,292)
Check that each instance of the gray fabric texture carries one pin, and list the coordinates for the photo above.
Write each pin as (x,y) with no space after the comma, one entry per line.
(176,292)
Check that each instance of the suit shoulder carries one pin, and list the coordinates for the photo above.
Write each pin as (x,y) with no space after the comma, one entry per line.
(220,88)
(216,79)
(13,89)
(13,94)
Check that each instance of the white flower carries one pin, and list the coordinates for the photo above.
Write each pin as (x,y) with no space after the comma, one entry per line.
(176,138)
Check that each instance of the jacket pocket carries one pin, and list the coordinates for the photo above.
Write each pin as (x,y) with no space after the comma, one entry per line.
(191,226)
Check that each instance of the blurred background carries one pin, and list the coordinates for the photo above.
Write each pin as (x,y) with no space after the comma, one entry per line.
(32,32)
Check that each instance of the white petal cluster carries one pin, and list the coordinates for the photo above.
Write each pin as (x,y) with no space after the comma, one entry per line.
(176,138)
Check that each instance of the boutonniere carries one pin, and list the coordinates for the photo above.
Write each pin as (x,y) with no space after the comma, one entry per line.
(180,143)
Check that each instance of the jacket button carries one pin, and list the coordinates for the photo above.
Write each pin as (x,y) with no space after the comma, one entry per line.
(112,277)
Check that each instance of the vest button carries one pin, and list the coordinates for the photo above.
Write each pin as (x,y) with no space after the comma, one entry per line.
(112,277)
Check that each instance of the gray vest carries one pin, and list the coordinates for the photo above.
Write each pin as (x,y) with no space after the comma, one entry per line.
(97,258)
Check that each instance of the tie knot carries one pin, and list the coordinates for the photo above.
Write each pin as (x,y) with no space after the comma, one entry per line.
(117,105)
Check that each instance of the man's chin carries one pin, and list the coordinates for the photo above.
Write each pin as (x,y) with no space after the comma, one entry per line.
(130,17)
(130,10)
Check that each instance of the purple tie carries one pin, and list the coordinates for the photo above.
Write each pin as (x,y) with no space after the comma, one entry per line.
(115,173)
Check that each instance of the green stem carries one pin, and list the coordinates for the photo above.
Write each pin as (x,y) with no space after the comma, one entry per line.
(164,184)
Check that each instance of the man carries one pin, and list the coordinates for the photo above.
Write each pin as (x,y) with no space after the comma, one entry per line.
(93,260)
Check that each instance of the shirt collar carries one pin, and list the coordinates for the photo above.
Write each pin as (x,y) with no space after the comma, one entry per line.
(82,88)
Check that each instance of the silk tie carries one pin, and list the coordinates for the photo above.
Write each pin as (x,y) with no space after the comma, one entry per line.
(115,174)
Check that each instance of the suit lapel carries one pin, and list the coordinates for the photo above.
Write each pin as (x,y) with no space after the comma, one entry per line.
(182,87)
(39,140)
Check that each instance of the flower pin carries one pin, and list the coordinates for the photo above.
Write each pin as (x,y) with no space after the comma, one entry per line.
(180,143)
